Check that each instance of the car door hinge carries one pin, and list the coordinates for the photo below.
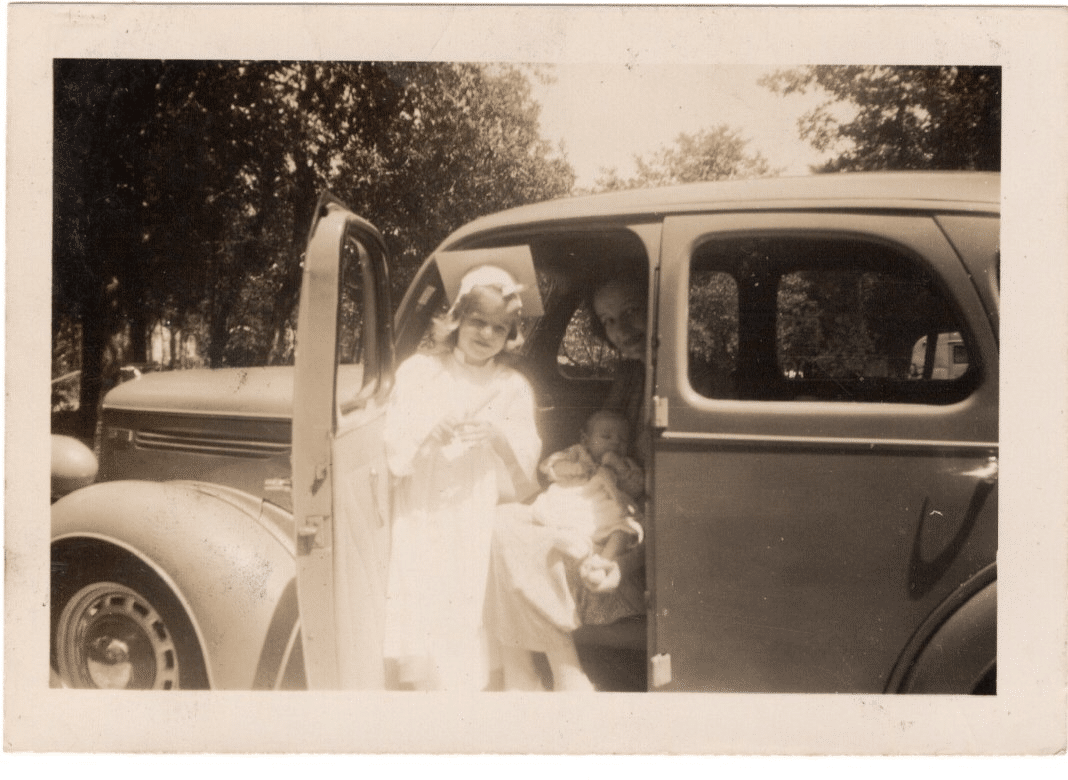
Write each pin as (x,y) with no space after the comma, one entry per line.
(660,412)
(313,533)
(661,669)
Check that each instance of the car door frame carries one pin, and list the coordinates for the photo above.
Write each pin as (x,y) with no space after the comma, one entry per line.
(327,624)
(682,415)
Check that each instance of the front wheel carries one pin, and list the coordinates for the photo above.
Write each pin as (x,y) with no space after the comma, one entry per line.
(116,625)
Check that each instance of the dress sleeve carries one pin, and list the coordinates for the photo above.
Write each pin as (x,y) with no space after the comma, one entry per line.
(411,414)
(519,426)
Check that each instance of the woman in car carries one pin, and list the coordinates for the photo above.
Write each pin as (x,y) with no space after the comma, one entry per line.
(518,618)
(620,307)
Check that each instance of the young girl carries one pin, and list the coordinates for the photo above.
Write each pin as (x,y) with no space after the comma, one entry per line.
(460,435)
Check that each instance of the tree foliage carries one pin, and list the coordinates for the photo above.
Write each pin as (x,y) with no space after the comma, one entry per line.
(710,154)
(184,189)
(903,118)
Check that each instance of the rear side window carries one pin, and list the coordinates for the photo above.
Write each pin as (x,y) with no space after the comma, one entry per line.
(800,318)
(583,354)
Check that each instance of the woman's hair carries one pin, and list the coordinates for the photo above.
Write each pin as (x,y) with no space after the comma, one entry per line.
(636,280)
(445,327)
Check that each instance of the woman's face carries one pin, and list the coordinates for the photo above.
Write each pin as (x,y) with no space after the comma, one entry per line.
(621,308)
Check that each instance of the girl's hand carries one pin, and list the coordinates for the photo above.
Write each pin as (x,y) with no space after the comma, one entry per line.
(474,431)
(445,430)
(600,574)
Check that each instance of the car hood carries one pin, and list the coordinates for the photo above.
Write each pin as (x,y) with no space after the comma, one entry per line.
(253,392)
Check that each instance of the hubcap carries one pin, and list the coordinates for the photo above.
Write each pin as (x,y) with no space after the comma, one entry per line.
(110,636)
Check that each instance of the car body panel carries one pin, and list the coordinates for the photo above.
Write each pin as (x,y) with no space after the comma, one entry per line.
(816,546)
(957,657)
(947,192)
(976,241)
(227,563)
(230,426)
(264,392)
(341,551)
(814,531)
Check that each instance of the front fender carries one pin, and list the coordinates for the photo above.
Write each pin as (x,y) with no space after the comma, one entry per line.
(73,465)
(228,565)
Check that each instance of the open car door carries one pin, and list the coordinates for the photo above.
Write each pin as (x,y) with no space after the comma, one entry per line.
(344,372)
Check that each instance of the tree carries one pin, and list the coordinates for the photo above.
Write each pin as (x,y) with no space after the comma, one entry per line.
(464,141)
(98,114)
(183,190)
(707,155)
(903,118)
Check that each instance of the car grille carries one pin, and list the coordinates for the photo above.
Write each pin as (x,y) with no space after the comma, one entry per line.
(201,445)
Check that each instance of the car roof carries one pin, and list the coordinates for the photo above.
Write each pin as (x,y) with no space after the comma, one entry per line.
(967,191)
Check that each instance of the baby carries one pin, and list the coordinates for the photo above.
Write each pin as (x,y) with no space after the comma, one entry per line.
(566,560)
(590,499)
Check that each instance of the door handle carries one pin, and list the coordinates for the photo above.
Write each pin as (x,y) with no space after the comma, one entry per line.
(987,473)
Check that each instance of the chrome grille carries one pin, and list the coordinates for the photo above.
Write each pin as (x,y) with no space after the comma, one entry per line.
(209,445)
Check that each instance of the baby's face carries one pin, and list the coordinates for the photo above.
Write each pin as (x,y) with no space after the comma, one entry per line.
(605,435)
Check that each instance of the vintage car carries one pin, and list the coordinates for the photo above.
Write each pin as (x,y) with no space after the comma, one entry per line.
(822,519)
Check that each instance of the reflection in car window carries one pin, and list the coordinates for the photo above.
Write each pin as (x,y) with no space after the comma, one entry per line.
(946,359)
(802,318)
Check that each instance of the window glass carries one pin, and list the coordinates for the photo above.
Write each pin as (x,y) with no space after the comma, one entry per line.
(583,354)
(713,332)
(352,373)
(804,318)
(948,359)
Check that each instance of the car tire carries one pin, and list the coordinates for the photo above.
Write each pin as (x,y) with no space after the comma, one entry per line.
(115,624)
(988,685)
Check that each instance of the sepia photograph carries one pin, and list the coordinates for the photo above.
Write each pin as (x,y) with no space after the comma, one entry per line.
(532,380)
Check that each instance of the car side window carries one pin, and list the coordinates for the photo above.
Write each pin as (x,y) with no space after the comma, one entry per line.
(357,370)
(583,354)
(801,318)
(713,332)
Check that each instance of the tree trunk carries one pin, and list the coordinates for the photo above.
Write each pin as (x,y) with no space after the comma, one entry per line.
(96,334)
(137,351)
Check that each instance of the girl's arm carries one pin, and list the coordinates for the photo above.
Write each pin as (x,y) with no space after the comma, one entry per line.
(412,417)
(524,485)
(509,428)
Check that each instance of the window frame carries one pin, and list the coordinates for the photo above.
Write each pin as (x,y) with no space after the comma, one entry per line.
(913,234)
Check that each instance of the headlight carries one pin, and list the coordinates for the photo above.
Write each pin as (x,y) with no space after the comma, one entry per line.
(73,465)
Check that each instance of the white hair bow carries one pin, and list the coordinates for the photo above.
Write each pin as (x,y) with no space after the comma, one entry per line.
(489,276)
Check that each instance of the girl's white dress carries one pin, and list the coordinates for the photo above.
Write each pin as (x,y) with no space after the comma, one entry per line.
(444,507)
